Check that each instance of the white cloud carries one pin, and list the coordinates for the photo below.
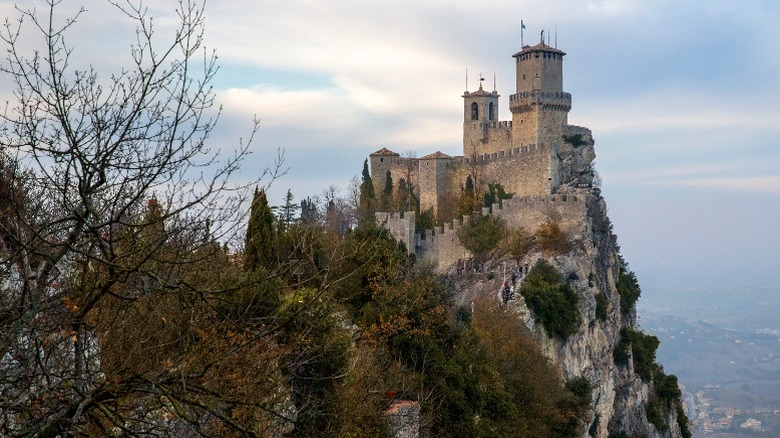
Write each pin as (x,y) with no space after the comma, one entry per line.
(613,7)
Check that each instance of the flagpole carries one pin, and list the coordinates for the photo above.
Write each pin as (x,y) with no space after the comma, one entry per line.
(522,26)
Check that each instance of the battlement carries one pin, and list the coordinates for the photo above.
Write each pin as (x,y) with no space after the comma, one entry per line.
(404,161)
(496,125)
(442,245)
(554,100)
(400,225)
(503,155)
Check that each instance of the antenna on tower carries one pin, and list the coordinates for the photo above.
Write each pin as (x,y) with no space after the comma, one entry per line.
(494,81)
(467,79)
(556,37)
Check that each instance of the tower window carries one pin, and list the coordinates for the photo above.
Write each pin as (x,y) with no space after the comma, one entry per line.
(474,111)
(491,111)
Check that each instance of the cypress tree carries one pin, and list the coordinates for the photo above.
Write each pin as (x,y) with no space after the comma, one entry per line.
(259,249)
(387,192)
(367,197)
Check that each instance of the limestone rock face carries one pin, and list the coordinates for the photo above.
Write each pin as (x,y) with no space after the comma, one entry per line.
(619,396)
(576,156)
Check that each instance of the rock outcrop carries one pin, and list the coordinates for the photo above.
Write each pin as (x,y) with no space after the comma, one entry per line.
(592,268)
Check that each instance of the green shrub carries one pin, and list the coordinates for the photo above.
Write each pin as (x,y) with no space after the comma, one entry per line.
(666,393)
(481,235)
(643,347)
(602,304)
(581,388)
(666,386)
(682,421)
(495,194)
(552,301)
(575,140)
(655,413)
(628,287)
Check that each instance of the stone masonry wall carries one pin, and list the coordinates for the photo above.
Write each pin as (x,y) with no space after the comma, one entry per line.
(399,167)
(400,225)
(490,137)
(524,171)
(442,246)
(434,182)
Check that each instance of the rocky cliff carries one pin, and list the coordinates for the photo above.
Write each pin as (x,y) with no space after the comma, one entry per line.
(626,401)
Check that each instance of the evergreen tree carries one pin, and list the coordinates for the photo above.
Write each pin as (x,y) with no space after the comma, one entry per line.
(387,192)
(259,249)
(496,194)
(308,212)
(288,209)
(469,201)
(367,197)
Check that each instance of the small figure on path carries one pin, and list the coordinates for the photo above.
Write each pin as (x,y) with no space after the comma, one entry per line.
(505,293)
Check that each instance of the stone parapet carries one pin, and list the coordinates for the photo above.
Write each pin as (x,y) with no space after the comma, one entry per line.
(442,246)
(551,100)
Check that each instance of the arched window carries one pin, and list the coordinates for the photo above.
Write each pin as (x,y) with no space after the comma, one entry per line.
(491,111)
(474,111)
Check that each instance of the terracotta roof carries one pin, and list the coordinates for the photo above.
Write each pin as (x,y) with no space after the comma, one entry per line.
(437,154)
(385,151)
(541,47)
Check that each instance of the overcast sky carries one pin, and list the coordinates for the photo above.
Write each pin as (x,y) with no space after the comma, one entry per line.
(682,98)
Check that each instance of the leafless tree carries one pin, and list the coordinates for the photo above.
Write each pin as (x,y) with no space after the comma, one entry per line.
(111,202)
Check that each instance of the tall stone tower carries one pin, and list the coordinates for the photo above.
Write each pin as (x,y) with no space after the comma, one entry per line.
(480,111)
(540,107)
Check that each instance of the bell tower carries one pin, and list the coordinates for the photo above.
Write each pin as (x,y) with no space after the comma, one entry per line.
(480,112)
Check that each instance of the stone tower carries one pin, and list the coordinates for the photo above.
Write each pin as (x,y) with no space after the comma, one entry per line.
(540,107)
(480,112)
(434,181)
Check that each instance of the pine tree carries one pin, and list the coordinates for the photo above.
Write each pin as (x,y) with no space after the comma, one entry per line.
(288,209)
(259,249)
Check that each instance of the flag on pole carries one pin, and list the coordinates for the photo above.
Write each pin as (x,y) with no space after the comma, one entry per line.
(522,25)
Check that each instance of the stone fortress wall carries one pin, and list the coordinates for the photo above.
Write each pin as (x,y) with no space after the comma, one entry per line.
(486,137)
(522,170)
(442,246)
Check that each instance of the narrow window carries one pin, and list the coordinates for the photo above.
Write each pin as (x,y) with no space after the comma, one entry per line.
(474,111)
(491,111)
